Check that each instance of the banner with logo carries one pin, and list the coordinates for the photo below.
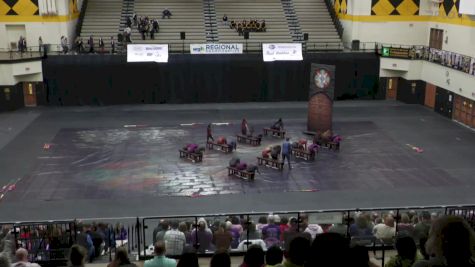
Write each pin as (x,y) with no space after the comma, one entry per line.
(284,52)
(147,53)
(210,49)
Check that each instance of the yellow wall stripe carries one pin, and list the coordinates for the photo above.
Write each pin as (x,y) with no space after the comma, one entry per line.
(39,18)
(456,21)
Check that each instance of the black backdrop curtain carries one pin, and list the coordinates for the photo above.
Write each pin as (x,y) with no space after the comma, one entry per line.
(109,79)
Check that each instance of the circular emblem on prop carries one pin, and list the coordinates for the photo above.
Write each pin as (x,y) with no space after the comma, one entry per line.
(322,78)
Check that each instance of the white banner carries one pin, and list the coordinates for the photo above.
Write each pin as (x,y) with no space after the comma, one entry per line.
(276,52)
(467,7)
(216,49)
(147,53)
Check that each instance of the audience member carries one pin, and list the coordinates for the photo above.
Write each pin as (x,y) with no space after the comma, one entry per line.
(112,45)
(163,229)
(298,252)
(451,243)
(175,240)
(40,44)
(254,257)
(385,231)
(284,225)
(329,249)
(97,240)
(203,236)
(405,226)
(90,42)
(77,256)
(166,13)
(340,228)
(220,259)
(4,260)
(225,18)
(361,227)
(188,259)
(222,238)
(84,239)
(183,227)
(101,45)
(421,230)
(261,223)
(160,260)
(121,259)
(250,232)
(21,256)
(155,25)
(312,229)
(292,232)
(406,252)
(271,232)
(274,256)
(127,33)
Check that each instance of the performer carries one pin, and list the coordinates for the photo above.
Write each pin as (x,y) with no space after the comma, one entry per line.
(286,151)
(244,127)
(209,135)
(279,125)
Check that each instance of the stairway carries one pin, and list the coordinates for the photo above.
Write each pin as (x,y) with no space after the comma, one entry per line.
(292,20)
(211,26)
(127,12)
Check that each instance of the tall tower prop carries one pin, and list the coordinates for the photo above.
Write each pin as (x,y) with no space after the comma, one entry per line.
(320,104)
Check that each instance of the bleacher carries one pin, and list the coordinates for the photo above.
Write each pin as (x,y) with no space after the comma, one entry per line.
(102,19)
(315,20)
(187,16)
(269,10)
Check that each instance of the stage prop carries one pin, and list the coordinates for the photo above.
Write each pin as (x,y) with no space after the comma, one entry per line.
(320,105)
(253,141)
(192,152)
(241,169)
(299,150)
(274,132)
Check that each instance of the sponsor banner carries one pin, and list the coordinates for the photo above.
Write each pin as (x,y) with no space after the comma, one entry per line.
(209,49)
(147,53)
(396,52)
(277,52)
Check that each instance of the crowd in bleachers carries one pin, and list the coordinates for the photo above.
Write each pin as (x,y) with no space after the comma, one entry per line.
(242,26)
(145,25)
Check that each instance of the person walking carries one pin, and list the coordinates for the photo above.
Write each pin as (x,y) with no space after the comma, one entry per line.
(286,149)
(209,135)
(40,45)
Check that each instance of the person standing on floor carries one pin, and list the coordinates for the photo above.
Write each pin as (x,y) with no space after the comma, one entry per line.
(286,149)
(209,134)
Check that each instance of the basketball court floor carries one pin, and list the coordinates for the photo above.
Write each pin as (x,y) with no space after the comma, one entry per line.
(123,161)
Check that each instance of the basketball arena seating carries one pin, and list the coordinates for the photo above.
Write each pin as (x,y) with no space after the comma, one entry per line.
(102,19)
(277,29)
(187,16)
(286,21)
(315,20)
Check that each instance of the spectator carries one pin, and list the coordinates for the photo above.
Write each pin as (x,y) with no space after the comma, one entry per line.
(405,226)
(340,228)
(385,231)
(329,249)
(128,22)
(451,243)
(421,230)
(236,230)
(151,30)
(40,44)
(274,256)
(101,45)
(283,226)
(271,232)
(163,229)
(21,256)
(166,13)
(112,45)
(77,256)
(298,252)
(155,25)
(84,240)
(261,223)
(188,259)
(183,227)
(220,259)
(312,229)
(97,240)
(120,232)
(121,259)
(222,238)
(4,260)
(175,240)
(294,232)
(359,257)
(225,18)
(361,227)
(134,17)
(254,257)
(406,253)
(202,235)
(160,260)
(250,232)
(90,42)
(127,32)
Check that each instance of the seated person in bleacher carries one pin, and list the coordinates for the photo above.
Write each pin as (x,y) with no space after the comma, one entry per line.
(233,24)
(155,25)
(225,18)
(263,26)
(166,13)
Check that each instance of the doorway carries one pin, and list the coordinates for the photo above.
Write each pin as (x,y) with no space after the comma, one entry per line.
(29,93)
(436,38)
(391,88)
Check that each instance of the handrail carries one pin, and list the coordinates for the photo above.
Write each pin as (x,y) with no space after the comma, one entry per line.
(335,19)
(81,17)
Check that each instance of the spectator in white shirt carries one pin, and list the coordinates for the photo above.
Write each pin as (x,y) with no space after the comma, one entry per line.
(175,240)
(385,231)
(21,256)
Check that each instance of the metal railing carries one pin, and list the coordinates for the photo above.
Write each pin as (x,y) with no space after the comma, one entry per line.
(445,58)
(334,16)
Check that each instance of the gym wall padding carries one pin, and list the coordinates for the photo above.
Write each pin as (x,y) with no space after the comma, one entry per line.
(109,79)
